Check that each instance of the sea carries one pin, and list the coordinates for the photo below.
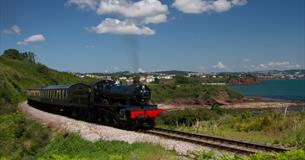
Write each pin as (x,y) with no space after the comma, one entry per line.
(291,90)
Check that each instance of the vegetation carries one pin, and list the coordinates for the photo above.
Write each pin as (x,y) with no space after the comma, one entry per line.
(193,92)
(187,117)
(21,138)
(72,146)
(291,155)
(268,128)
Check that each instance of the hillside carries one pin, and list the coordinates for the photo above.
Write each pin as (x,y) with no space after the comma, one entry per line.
(17,73)
(20,137)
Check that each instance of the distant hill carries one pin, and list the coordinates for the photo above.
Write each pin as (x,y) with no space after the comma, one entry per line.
(19,71)
(175,72)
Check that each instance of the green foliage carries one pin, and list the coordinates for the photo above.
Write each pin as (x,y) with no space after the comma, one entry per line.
(291,155)
(72,146)
(268,128)
(267,122)
(233,95)
(217,109)
(15,54)
(171,92)
(21,138)
(187,117)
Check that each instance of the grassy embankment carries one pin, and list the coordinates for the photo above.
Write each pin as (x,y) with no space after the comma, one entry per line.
(269,128)
(21,138)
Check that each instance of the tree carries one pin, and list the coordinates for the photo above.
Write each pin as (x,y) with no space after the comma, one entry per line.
(29,56)
(12,53)
(15,54)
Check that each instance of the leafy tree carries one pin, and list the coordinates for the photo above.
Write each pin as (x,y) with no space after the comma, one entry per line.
(15,54)
(12,53)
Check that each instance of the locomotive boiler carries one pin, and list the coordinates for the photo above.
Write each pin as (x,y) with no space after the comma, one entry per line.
(107,92)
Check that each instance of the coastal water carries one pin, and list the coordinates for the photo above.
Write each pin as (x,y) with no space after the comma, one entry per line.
(277,89)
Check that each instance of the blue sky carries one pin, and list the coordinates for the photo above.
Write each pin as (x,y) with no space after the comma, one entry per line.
(151,35)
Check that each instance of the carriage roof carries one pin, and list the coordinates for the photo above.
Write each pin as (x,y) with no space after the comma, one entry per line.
(63,86)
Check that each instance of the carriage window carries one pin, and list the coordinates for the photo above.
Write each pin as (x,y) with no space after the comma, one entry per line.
(60,94)
(64,94)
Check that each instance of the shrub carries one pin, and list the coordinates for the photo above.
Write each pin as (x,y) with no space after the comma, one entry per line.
(20,137)
(187,117)
(72,146)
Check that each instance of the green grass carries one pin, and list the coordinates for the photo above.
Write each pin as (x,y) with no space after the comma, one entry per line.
(21,138)
(271,129)
(73,146)
(289,155)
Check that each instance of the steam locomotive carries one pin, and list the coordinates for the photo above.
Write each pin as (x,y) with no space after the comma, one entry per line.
(102,101)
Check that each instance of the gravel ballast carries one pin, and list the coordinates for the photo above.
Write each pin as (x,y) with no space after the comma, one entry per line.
(94,132)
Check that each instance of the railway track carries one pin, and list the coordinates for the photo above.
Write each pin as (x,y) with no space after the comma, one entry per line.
(224,144)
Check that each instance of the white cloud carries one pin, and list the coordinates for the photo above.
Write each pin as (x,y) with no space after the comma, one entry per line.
(221,5)
(144,11)
(12,30)
(31,39)
(276,65)
(155,19)
(200,6)
(142,8)
(219,65)
(133,15)
(84,4)
(115,26)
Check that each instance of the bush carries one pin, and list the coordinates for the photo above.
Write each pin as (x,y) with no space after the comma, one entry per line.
(187,117)
(20,138)
(72,146)
(217,109)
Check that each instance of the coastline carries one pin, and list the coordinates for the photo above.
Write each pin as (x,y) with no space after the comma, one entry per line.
(248,102)
(269,99)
